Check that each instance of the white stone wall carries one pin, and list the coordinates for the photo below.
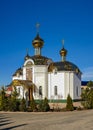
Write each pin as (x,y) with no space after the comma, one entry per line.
(72,82)
(56,79)
(66,82)
(20,91)
(69,84)
(24,73)
(77,87)
(17,77)
(41,79)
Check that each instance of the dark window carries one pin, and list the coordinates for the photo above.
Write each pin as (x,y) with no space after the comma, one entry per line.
(40,90)
(77,90)
(55,90)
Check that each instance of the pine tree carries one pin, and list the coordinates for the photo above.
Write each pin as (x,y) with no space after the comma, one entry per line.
(22,106)
(3,100)
(43,105)
(69,105)
(46,106)
(90,84)
(14,102)
(33,105)
(87,98)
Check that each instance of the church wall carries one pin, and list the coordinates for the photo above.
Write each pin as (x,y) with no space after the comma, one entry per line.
(55,80)
(17,77)
(77,87)
(24,73)
(20,91)
(69,84)
(72,85)
(41,79)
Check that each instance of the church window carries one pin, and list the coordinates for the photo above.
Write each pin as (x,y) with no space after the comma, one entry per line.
(40,90)
(55,90)
(77,90)
(29,74)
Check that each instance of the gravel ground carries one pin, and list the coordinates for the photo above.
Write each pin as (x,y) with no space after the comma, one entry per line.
(77,120)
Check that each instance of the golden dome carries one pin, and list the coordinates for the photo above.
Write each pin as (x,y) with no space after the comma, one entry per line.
(63,52)
(27,57)
(38,42)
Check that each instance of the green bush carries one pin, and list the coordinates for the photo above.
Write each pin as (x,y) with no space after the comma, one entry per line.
(14,102)
(3,100)
(87,98)
(43,105)
(33,106)
(22,106)
(69,105)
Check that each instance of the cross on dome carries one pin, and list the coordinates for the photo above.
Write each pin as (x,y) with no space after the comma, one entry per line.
(63,52)
(63,43)
(37,27)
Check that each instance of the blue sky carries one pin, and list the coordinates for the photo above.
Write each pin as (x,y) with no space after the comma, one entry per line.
(71,20)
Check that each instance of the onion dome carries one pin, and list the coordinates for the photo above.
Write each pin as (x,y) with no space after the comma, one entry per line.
(18,72)
(27,57)
(38,42)
(63,52)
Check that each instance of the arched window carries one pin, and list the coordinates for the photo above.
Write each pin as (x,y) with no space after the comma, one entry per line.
(55,90)
(29,74)
(40,90)
(77,91)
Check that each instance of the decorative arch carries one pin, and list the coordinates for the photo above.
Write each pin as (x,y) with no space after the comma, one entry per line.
(29,62)
(29,69)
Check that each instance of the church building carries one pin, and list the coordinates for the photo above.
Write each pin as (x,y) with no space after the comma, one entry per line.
(53,80)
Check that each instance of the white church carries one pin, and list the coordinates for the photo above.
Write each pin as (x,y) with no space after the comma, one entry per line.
(53,80)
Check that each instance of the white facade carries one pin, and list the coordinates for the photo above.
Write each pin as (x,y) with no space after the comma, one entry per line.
(66,82)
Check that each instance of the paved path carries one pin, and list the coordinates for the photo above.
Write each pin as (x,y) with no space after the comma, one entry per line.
(77,120)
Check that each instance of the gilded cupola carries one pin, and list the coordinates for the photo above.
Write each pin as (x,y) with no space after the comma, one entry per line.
(27,55)
(38,42)
(63,52)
